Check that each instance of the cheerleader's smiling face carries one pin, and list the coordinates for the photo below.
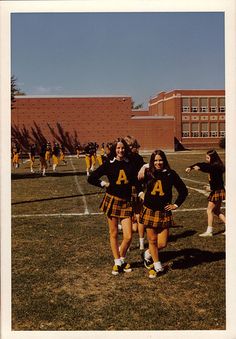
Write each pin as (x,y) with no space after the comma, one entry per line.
(120,151)
(158,163)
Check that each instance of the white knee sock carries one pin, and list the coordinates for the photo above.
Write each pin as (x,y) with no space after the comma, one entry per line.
(122,259)
(147,254)
(157,265)
(118,262)
(141,242)
(209,229)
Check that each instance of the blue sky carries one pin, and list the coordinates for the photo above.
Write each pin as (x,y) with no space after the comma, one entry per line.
(134,54)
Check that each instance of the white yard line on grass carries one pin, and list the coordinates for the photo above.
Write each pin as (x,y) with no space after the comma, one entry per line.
(93,213)
(199,191)
(86,211)
(56,215)
(197,182)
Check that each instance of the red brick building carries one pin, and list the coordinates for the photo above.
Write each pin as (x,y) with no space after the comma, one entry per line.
(195,117)
(199,115)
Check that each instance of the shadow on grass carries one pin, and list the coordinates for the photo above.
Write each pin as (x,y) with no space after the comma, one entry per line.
(36,175)
(219,232)
(185,234)
(57,198)
(186,258)
(190,257)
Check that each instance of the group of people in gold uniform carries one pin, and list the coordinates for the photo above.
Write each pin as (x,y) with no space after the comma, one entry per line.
(48,156)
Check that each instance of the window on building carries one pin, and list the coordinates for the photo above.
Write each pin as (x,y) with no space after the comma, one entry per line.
(185,101)
(185,104)
(213,109)
(185,130)
(213,129)
(204,129)
(222,129)
(203,105)
(213,102)
(195,129)
(194,104)
(221,101)
(221,104)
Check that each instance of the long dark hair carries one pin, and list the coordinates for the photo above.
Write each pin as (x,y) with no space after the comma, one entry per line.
(215,159)
(151,162)
(113,148)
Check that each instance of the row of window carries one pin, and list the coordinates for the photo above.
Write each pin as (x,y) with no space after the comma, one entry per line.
(204,101)
(203,129)
(211,109)
(213,134)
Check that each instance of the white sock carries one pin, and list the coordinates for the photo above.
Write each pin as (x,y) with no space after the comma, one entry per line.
(147,254)
(141,241)
(122,259)
(118,262)
(157,265)
(209,229)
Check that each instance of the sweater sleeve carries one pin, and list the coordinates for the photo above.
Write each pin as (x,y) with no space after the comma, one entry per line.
(203,166)
(181,189)
(94,177)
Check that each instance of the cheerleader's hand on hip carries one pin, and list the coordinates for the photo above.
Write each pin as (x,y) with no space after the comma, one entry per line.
(141,195)
(105,183)
(170,207)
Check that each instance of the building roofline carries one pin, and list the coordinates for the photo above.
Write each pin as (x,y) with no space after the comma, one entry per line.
(69,96)
(185,90)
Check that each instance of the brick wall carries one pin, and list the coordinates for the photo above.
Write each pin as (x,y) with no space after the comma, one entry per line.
(99,119)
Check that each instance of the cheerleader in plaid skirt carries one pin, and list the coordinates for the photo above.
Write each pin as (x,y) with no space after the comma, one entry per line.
(116,203)
(156,215)
(215,168)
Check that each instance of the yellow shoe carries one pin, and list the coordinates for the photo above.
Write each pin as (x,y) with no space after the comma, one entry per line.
(153,273)
(126,267)
(116,269)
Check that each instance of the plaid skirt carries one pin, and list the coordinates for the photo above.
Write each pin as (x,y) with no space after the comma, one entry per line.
(116,207)
(155,219)
(136,202)
(216,196)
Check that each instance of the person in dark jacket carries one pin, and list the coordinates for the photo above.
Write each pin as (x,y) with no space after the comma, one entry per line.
(215,168)
(116,204)
(156,215)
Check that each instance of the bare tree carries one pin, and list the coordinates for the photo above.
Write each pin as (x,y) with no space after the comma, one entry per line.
(14,90)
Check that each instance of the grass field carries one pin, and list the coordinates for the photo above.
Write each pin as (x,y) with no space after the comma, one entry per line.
(61,259)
